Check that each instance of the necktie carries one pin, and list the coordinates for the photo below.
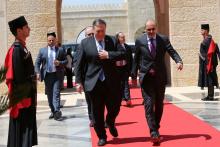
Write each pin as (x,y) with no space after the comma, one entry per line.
(152,47)
(50,69)
(101,74)
(100,46)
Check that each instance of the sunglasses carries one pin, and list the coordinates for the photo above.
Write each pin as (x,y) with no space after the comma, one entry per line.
(90,34)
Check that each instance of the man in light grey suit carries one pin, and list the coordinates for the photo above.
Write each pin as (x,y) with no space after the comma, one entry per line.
(49,67)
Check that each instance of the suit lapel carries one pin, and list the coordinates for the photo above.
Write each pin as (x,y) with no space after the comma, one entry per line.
(93,45)
(106,43)
(158,45)
(46,53)
(57,52)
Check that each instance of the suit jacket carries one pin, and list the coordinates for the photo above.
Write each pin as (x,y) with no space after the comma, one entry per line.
(128,57)
(42,61)
(145,61)
(88,65)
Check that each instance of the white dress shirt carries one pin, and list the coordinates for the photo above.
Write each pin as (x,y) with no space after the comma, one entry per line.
(52,58)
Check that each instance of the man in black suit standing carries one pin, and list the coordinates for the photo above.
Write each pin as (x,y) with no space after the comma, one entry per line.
(150,56)
(95,71)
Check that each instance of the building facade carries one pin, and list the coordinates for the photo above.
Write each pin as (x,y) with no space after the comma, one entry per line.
(180,19)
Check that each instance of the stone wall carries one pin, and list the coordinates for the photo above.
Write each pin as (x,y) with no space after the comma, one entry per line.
(71,29)
(76,18)
(3,31)
(41,16)
(185,19)
(127,17)
(138,12)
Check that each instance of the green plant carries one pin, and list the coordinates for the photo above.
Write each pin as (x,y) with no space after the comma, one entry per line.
(4,99)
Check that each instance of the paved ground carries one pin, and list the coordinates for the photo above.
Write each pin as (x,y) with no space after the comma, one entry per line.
(74,130)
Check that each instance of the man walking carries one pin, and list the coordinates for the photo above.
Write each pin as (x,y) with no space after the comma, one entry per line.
(95,71)
(150,56)
(49,67)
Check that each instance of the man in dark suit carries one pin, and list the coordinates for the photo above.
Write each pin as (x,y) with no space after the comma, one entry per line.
(150,52)
(49,67)
(124,66)
(95,71)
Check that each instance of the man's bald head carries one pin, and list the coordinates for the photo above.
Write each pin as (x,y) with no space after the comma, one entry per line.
(151,28)
(89,31)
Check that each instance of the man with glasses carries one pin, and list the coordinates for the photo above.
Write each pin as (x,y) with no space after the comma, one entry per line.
(150,56)
(95,71)
(89,31)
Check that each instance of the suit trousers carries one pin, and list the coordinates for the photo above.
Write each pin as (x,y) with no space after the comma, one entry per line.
(52,88)
(153,94)
(125,89)
(100,97)
(89,106)
(69,76)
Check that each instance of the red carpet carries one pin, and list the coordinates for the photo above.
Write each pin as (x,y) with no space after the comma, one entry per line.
(178,128)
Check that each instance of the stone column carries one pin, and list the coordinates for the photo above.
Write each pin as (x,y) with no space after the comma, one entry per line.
(58,16)
(3,32)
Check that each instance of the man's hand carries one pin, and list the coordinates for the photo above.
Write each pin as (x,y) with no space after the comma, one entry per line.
(179,66)
(79,88)
(38,77)
(57,62)
(103,55)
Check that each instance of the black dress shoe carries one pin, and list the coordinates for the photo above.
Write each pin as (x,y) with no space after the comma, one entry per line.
(207,98)
(51,116)
(106,125)
(91,124)
(58,115)
(155,137)
(102,142)
(113,130)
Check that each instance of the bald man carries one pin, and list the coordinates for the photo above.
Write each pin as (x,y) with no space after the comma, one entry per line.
(150,56)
